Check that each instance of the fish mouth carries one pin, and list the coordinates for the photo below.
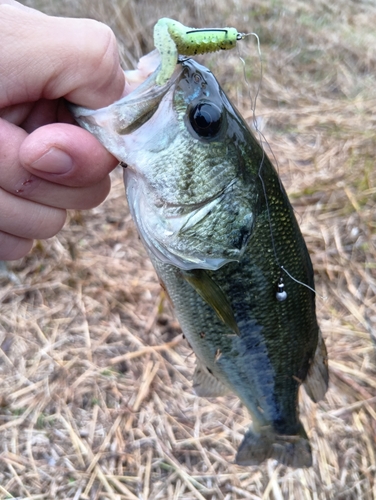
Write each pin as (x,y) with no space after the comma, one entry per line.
(111,123)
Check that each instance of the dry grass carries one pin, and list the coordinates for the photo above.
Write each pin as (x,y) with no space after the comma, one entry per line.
(95,376)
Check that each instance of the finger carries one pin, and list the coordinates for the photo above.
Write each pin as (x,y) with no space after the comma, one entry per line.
(26,219)
(55,57)
(16,4)
(66,154)
(12,247)
(45,112)
(19,182)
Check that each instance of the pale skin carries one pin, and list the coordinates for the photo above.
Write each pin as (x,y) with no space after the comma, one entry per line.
(47,163)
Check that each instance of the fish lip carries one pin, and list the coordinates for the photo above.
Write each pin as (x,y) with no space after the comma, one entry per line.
(111,123)
(146,90)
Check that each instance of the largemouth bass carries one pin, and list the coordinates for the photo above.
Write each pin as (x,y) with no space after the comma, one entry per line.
(222,236)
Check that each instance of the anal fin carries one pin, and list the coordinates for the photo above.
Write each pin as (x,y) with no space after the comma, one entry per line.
(207,385)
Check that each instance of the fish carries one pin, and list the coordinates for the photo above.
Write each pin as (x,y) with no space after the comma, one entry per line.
(221,233)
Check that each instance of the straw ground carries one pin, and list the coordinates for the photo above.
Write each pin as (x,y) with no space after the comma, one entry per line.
(96,399)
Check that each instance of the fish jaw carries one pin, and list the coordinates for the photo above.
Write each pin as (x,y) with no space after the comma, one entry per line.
(111,124)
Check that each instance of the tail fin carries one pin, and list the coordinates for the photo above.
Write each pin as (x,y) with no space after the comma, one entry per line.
(294,451)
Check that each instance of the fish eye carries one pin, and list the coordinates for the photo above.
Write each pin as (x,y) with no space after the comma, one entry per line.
(206,119)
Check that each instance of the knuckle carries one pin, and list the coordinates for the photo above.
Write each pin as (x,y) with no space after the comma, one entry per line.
(84,63)
(20,218)
(103,52)
(48,222)
(95,195)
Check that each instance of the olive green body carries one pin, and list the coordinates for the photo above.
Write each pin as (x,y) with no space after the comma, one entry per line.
(221,233)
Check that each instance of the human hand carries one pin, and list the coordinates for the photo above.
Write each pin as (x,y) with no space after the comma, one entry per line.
(47,164)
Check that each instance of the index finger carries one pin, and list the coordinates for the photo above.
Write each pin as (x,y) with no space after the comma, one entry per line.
(51,57)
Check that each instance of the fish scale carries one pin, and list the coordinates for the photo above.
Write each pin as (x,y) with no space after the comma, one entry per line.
(220,232)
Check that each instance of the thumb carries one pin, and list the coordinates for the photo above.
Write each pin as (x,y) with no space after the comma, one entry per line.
(66,154)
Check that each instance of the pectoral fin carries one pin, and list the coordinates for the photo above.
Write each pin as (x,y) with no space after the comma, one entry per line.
(316,383)
(205,384)
(213,295)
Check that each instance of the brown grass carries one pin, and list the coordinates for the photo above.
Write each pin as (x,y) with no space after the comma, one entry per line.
(96,399)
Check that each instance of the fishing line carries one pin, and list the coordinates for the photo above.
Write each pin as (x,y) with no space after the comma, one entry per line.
(297,281)
(261,136)
(281,294)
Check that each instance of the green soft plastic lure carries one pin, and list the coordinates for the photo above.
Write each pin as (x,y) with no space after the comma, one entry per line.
(172,38)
